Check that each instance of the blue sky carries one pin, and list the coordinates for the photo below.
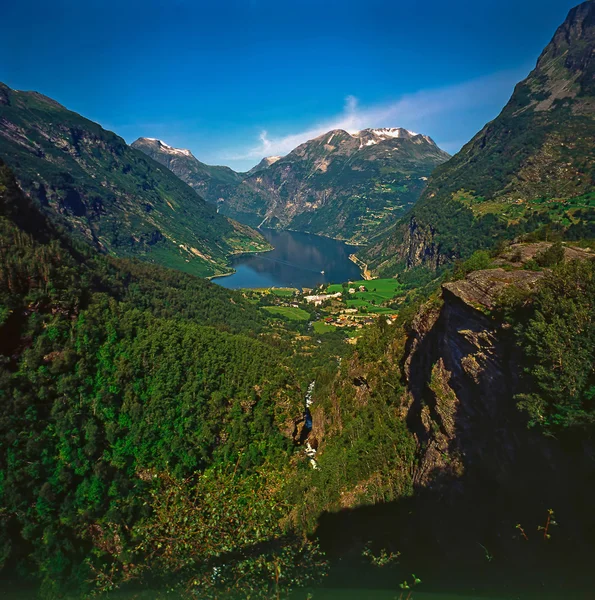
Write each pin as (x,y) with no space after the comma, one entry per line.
(235,81)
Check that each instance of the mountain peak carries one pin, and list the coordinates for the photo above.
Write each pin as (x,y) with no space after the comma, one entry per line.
(161,145)
(531,167)
(370,136)
(386,132)
(565,71)
(270,160)
(267,161)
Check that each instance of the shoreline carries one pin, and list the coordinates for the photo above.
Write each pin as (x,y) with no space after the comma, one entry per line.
(328,237)
(238,254)
(362,266)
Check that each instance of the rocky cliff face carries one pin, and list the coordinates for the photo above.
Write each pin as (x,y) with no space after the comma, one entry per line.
(345,185)
(530,166)
(462,375)
(413,244)
(479,470)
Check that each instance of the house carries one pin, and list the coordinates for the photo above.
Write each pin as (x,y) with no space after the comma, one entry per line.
(320,298)
(362,288)
(352,290)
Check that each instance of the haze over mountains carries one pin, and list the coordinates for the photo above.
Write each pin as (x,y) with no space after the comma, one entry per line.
(340,184)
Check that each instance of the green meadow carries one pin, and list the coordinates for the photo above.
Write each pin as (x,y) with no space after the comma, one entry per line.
(288,312)
(377,292)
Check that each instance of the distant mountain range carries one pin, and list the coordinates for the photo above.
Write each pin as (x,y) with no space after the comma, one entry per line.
(344,185)
(531,167)
(110,194)
(396,191)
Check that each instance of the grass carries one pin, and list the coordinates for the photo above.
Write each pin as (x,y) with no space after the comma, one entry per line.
(321,327)
(558,209)
(283,292)
(288,312)
(378,291)
(353,333)
(370,308)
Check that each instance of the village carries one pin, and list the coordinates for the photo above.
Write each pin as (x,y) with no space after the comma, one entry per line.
(348,307)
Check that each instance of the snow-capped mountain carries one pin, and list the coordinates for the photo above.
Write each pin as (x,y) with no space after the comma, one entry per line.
(340,184)
(163,147)
(345,185)
(371,137)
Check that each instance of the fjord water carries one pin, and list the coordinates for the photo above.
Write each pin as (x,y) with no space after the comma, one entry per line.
(297,260)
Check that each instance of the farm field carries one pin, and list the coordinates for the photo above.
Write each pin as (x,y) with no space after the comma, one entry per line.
(289,312)
(283,292)
(378,291)
(321,327)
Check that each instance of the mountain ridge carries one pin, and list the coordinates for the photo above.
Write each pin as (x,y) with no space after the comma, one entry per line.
(339,184)
(530,167)
(113,196)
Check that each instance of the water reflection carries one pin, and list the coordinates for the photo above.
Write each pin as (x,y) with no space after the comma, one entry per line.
(298,260)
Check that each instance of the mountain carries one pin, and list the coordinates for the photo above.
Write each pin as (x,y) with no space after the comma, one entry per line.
(267,161)
(211,182)
(110,194)
(339,184)
(110,368)
(532,166)
(343,185)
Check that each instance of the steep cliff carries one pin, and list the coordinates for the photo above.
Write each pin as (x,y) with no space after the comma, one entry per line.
(462,373)
(453,373)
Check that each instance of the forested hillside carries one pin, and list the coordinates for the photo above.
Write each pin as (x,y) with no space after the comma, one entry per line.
(119,379)
(164,437)
(531,168)
(111,195)
(153,428)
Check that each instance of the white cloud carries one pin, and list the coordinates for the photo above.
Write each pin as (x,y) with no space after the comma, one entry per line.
(422,111)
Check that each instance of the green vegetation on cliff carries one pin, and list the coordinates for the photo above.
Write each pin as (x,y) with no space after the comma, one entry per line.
(110,194)
(532,166)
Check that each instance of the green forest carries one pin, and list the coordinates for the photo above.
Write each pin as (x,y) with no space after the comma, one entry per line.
(148,426)
(424,433)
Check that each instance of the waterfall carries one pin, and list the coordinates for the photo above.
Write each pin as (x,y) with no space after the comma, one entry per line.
(308,450)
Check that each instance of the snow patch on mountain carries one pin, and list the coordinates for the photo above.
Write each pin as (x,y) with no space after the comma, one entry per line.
(170,149)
